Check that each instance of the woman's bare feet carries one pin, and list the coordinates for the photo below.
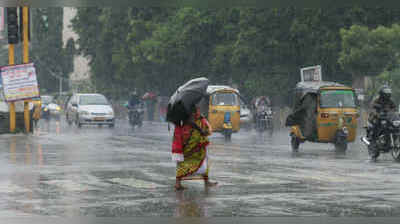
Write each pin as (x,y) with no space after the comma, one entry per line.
(208,183)
(211,184)
(178,186)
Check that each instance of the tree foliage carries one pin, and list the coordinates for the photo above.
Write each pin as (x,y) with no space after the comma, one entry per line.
(47,51)
(259,50)
(369,52)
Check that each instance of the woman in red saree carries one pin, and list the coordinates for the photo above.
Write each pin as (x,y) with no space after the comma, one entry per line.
(189,150)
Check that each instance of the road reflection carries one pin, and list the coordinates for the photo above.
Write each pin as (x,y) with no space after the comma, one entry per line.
(58,127)
(40,155)
(191,204)
(48,126)
(24,181)
(27,179)
(13,146)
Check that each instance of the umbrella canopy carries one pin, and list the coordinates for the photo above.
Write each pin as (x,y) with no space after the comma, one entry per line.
(148,96)
(184,98)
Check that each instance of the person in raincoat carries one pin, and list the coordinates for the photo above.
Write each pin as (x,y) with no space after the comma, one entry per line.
(189,149)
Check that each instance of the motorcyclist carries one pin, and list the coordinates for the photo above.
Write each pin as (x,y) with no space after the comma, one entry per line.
(382,103)
(135,109)
(261,104)
(134,100)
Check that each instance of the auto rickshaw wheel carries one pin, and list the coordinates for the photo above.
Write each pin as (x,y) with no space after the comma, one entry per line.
(140,123)
(271,131)
(341,145)
(228,135)
(295,143)
(396,154)
(373,152)
(69,122)
(78,124)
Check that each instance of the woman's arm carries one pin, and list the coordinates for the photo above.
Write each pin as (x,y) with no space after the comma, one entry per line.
(206,125)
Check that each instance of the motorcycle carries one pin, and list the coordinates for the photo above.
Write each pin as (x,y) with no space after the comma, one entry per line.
(264,119)
(136,115)
(387,136)
(45,113)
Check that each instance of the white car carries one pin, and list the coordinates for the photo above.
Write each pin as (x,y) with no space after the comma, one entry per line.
(246,117)
(89,109)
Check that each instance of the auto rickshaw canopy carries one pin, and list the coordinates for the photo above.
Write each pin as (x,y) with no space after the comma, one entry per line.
(304,88)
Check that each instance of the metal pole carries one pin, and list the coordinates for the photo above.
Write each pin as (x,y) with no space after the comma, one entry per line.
(25,20)
(12,104)
(60,86)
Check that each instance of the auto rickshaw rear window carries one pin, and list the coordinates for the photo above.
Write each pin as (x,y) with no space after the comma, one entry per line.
(336,98)
(225,99)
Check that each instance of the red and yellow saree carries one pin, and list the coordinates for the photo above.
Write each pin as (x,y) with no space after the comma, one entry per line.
(189,149)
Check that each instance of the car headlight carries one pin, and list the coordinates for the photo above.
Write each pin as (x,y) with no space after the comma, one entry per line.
(58,108)
(83,112)
(383,122)
(45,109)
(396,123)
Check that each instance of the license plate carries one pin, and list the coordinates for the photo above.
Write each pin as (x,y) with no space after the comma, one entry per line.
(99,118)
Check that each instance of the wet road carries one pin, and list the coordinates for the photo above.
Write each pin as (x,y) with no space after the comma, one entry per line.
(66,171)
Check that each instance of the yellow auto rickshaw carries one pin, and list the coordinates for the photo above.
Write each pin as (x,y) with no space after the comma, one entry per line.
(324,112)
(223,109)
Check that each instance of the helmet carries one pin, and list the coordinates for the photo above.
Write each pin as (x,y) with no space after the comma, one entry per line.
(385,92)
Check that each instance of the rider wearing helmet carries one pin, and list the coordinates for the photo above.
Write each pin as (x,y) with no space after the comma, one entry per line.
(382,103)
(133,99)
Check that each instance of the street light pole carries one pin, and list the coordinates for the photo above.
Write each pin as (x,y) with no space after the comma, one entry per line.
(60,80)
(60,86)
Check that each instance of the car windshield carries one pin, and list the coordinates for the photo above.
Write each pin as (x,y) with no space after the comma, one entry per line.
(93,100)
(46,99)
(225,99)
(333,98)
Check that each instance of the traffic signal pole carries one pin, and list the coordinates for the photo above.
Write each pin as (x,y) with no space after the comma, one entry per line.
(11,61)
(25,33)
(12,28)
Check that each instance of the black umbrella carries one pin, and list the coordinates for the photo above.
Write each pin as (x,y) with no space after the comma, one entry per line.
(185,97)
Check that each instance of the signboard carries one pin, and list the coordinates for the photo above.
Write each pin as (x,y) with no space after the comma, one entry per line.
(311,74)
(19,82)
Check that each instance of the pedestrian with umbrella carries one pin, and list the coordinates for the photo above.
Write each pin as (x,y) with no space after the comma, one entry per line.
(189,146)
(150,99)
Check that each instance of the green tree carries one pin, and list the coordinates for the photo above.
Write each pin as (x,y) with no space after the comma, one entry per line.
(260,50)
(369,52)
(47,50)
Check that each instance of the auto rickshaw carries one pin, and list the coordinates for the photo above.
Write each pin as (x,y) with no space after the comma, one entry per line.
(222,108)
(324,112)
